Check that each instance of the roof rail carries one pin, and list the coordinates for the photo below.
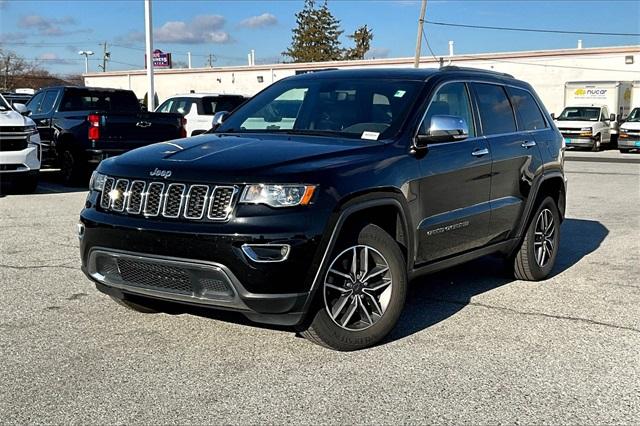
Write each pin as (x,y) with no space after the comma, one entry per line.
(457,68)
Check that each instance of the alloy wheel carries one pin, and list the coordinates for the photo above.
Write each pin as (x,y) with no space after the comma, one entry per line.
(543,242)
(357,288)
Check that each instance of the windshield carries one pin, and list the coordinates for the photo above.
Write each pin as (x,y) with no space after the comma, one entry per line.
(3,104)
(358,109)
(580,114)
(634,115)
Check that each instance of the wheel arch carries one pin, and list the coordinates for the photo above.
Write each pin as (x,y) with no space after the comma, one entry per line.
(389,210)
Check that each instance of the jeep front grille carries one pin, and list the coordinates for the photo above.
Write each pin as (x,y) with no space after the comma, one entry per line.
(173,201)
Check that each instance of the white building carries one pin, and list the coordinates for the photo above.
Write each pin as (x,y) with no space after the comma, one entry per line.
(546,70)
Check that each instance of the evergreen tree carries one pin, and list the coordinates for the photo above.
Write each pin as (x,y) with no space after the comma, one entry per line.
(316,36)
(362,39)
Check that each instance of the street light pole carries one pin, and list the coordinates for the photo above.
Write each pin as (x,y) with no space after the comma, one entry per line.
(148,24)
(86,54)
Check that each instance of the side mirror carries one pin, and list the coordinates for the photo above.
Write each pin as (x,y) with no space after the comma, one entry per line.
(218,118)
(22,109)
(612,117)
(553,115)
(443,128)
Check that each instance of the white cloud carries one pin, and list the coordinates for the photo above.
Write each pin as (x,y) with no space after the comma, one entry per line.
(260,21)
(52,58)
(49,26)
(201,29)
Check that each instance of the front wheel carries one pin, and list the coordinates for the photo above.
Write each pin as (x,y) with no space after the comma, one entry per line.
(596,144)
(362,293)
(539,248)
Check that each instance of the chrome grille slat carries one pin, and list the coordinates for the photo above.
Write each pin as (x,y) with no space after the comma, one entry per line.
(220,202)
(169,200)
(136,197)
(153,199)
(173,200)
(105,199)
(196,201)
(119,198)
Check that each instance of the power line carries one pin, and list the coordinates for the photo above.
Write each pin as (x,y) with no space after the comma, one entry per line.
(531,30)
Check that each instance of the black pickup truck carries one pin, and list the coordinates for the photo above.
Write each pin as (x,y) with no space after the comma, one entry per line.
(81,126)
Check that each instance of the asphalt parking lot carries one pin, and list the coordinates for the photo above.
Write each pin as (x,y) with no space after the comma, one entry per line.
(474,345)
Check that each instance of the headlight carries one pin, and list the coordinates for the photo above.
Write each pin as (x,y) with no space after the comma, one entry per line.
(96,182)
(32,131)
(278,195)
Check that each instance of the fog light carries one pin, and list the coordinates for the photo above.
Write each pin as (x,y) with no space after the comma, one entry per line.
(265,253)
(80,230)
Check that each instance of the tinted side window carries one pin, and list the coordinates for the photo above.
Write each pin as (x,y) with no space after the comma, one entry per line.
(529,115)
(181,106)
(213,104)
(49,100)
(166,106)
(451,99)
(496,113)
(35,102)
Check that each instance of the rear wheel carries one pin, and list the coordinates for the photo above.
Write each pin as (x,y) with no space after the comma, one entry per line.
(363,292)
(134,306)
(539,249)
(71,168)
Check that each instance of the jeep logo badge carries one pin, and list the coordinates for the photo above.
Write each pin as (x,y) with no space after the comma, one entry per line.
(160,173)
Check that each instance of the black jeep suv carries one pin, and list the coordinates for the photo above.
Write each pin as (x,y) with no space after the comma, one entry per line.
(316,202)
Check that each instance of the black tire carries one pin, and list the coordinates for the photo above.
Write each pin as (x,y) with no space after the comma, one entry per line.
(596,144)
(71,168)
(624,150)
(134,306)
(377,313)
(530,263)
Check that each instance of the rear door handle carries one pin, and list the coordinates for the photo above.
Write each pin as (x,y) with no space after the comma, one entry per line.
(480,152)
(528,144)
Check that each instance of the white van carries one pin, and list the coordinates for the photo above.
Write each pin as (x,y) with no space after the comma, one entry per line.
(20,151)
(593,112)
(629,137)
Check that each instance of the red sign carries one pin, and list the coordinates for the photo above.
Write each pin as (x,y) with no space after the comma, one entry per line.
(160,59)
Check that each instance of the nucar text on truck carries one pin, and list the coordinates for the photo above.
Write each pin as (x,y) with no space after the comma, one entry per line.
(313,204)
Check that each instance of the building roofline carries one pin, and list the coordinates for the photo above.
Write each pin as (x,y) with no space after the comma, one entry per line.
(386,61)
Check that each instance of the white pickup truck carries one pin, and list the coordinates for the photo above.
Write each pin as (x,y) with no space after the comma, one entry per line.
(20,151)
(593,112)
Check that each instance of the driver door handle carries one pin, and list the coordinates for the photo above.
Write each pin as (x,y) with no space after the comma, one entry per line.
(480,152)
(528,144)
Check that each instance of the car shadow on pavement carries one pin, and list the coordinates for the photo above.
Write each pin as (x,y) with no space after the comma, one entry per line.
(49,182)
(436,297)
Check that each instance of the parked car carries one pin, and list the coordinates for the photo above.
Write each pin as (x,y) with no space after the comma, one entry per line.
(630,132)
(199,108)
(80,126)
(317,216)
(19,149)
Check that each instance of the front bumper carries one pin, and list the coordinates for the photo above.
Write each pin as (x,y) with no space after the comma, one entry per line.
(629,142)
(273,292)
(582,142)
(25,160)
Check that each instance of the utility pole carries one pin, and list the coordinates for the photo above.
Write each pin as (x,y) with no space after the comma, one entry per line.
(423,9)
(106,55)
(7,58)
(211,59)
(148,23)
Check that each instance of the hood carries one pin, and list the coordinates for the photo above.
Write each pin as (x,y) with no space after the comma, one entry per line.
(13,118)
(630,125)
(562,124)
(233,158)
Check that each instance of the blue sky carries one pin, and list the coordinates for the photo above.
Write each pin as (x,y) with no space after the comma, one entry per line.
(51,31)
